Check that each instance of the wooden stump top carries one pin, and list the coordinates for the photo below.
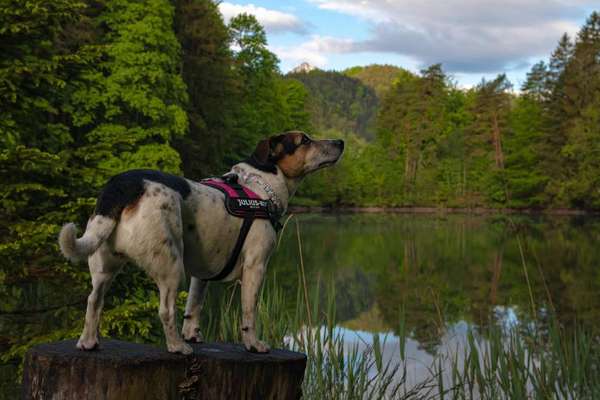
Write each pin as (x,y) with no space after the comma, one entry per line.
(120,369)
(238,353)
(121,352)
(111,351)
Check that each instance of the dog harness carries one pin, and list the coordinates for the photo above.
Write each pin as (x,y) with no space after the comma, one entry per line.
(243,203)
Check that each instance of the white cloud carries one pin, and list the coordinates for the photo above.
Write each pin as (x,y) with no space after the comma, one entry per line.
(314,51)
(273,21)
(464,35)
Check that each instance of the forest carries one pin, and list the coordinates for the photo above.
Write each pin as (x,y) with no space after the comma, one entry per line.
(90,88)
(434,144)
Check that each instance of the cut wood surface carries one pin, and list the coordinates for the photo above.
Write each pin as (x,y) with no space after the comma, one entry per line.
(123,370)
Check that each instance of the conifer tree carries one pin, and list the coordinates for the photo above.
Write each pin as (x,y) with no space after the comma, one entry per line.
(490,123)
(536,86)
(581,106)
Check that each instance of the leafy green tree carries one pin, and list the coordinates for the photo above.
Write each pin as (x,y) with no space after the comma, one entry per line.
(295,99)
(451,175)
(86,91)
(485,136)
(525,179)
(411,120)
(262,110)
(128,105)
(36,143)
(213,88)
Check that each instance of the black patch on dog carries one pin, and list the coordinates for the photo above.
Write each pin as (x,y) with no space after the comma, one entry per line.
(126,188)
(268,166)
(264,158)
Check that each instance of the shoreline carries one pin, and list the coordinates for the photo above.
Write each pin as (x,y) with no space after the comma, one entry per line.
(441,210)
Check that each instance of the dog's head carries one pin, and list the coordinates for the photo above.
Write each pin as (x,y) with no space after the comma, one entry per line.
(295,153)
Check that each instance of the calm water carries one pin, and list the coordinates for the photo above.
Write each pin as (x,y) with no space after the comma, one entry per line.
(438,274)
(442,276)
(442,270)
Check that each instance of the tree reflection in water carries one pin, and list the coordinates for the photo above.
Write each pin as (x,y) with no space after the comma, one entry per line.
(437,271)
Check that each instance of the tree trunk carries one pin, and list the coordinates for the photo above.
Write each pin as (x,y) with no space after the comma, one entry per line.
(499,156)
(122,370)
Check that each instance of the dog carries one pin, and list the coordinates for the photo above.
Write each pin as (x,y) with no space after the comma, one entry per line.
(172,227)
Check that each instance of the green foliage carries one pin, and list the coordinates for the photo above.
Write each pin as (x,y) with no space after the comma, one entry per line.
(524,179)
(338,102)
(261,112)
(213,88)
(86,91)
(380,78)
(579,105)
(269,103)
(485,135)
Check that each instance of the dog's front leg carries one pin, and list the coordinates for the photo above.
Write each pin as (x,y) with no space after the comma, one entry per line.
(191,323)
(252,279)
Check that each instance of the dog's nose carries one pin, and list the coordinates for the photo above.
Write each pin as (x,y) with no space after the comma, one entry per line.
(340,144)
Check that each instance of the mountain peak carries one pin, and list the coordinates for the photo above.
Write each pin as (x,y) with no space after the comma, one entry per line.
(304,68)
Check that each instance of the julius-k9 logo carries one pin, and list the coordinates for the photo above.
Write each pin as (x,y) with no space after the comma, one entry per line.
(251,203)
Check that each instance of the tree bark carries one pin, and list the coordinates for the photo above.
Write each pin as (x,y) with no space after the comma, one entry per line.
(498,155)
(122,370)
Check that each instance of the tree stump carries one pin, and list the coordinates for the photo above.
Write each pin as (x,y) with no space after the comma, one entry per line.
(123,370)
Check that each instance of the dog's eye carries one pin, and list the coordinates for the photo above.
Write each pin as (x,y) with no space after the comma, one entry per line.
(305,140)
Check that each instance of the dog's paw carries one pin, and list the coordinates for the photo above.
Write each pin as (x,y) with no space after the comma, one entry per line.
(257,346)
(87,343)
(191,334)
(180,347)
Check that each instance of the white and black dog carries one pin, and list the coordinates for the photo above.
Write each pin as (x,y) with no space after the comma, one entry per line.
(171,226)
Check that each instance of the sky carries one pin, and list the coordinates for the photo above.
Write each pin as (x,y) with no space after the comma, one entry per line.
(472,39)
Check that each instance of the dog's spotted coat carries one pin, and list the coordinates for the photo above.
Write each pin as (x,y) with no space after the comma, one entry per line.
(171,226)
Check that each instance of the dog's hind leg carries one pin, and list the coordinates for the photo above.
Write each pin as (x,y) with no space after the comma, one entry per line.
(103,267)
(193,306)
(168,285)
(166,268)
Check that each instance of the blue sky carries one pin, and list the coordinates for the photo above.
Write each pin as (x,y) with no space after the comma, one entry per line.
(471,38)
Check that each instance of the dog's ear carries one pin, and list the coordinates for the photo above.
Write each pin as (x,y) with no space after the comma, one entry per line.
(267,153)
(262,153)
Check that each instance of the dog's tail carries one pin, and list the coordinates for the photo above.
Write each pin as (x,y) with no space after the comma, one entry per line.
(98,230)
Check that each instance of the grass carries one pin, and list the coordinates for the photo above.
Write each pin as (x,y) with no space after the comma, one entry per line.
(542,361)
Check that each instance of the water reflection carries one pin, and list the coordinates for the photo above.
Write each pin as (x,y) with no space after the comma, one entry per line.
(436,271)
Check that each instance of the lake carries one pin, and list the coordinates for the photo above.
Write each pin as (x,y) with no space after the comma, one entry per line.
(433,276)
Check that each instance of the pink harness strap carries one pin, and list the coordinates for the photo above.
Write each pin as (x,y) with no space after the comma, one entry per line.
(230,191)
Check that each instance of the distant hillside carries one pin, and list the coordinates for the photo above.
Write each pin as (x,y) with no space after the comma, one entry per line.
(339,102)
(378,77)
